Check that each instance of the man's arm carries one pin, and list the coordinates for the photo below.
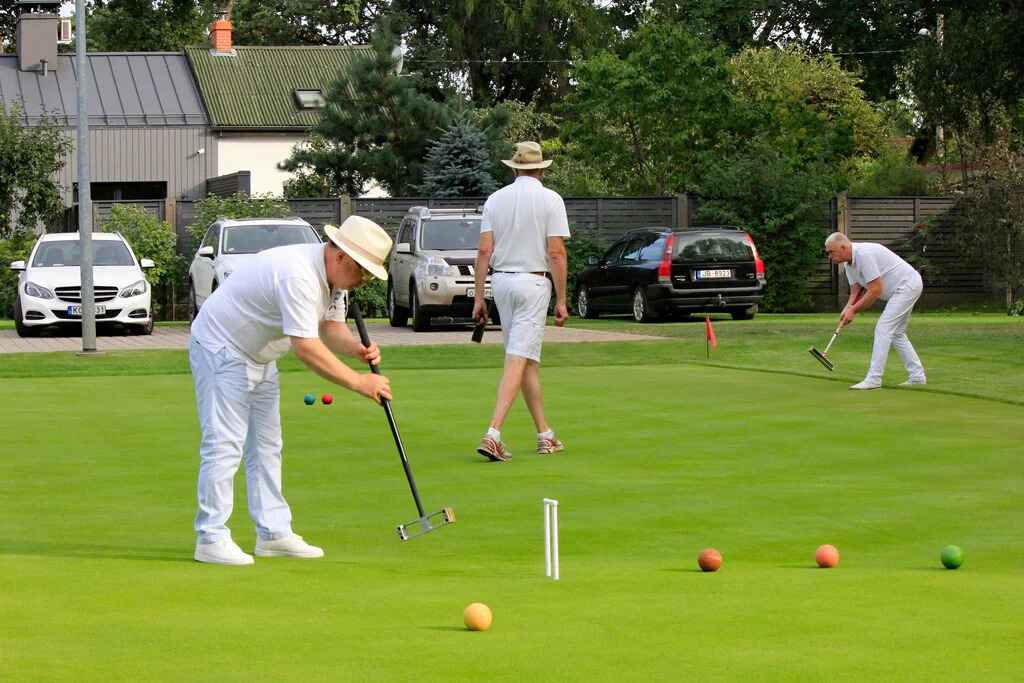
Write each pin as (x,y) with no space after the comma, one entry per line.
(318,358)
(559,264)
(483,263)
(337,337)
(866,298)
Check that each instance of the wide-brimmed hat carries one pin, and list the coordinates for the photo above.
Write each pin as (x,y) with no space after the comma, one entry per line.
(364,241)
(528,156)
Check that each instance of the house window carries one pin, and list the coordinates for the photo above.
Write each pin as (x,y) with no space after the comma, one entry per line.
(310,99)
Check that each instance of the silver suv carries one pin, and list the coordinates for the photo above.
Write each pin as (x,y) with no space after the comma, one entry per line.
(431,270)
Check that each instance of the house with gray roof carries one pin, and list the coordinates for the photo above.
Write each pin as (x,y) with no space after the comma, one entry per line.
(162,124)
(149,135)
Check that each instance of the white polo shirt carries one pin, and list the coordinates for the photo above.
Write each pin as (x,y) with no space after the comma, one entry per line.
(281,293)
(872,261)
(522,216)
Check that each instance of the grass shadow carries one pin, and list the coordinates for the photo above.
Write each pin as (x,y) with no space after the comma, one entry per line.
(93,551)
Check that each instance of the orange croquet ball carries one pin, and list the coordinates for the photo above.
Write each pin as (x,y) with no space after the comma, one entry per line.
(477,617)
(826,556)
(709,560)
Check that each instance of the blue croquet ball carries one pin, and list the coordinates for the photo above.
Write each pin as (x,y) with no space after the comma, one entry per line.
(309,399)
(952,557)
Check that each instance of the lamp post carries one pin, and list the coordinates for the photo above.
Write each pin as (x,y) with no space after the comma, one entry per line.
(88,298)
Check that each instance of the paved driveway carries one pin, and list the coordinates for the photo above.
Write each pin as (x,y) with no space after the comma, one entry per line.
(176,337)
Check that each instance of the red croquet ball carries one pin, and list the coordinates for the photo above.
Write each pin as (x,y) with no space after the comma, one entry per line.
(827,556)
(709,560)
(327,399)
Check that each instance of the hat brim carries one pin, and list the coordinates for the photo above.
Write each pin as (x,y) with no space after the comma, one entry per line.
(527,167)
(338,240)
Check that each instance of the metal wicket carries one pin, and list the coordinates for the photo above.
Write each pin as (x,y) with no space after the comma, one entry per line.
(551,538)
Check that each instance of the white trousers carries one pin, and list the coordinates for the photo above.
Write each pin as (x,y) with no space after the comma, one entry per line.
(891,330)
(522,300)
(239,417)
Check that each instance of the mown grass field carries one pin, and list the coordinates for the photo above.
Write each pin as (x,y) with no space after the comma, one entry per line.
(756,453)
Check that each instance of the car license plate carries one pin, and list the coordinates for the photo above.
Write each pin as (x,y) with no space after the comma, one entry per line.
(723,274)
(471,293)
(76,310)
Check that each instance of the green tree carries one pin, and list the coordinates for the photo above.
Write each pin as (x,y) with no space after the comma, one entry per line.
(642,119)
(303,22)
(149,238)
(458,163)
(8,25)
(502,49)
(376,125)
(149,25)
(781,200)
(17,247)
(30,158)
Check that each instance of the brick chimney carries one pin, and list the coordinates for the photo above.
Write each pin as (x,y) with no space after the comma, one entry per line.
(220,37)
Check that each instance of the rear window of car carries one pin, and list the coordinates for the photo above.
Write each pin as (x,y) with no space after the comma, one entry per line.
(252,239)
(60,253)
(450,234)
(713,247)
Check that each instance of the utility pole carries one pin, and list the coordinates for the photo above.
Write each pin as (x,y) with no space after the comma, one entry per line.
(88,297)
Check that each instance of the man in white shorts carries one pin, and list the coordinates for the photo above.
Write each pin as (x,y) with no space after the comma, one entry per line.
(874,272)
(289,297)
(522,239)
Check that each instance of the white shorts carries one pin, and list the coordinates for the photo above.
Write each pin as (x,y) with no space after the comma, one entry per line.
(522,300)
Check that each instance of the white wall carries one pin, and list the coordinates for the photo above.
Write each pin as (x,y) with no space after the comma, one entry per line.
(258,154)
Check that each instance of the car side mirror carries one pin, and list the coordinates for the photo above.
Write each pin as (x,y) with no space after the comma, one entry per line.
(206,251)
(403,248)
(592,260)
(17,265)
(147,263)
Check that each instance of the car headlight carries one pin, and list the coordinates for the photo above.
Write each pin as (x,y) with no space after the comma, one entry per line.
(32,289)
(437,266)
(134,289)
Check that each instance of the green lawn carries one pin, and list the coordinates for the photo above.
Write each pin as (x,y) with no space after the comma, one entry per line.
(666,455)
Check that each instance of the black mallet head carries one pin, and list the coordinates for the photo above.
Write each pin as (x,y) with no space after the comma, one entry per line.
(822,358)
(478,332)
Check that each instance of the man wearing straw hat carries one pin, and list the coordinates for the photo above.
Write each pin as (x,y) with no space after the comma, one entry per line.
(522,239)
(290,297)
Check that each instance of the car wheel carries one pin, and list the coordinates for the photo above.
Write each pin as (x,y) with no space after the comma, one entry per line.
(398,316)
(420,320)
(641,308)
(744,313)
(193,307)
(146,329)
(583,307)
(20,327)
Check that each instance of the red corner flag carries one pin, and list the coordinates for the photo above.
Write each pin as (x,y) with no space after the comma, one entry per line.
(709,332)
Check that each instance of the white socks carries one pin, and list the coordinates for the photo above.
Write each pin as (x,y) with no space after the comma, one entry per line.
(494,434)
(550,434)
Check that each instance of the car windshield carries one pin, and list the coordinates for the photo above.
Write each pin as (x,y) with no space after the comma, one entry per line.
(61,253)
(705,247)
(450,234)
(252,239)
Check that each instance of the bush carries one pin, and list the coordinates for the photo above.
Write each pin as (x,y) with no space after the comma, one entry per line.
(579,248)
(372,298)
(149,238)
(15,248)
(893,174)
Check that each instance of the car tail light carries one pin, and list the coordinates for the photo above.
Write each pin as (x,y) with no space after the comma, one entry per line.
(758,263)
(665,267)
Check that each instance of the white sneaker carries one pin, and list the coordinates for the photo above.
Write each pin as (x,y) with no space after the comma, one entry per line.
(222,551)
(866,385)
(914,382)
(289,546)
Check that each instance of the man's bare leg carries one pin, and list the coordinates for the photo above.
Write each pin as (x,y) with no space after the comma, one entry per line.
(534,395)
(508,388)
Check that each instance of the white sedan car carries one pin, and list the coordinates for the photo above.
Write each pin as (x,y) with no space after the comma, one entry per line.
(50,286)
(229,243)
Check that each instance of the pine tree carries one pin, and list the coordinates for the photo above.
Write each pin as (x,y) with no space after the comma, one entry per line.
(458,162)
(376,125)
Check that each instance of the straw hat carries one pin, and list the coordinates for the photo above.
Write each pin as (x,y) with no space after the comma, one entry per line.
(364,241)
(527,156)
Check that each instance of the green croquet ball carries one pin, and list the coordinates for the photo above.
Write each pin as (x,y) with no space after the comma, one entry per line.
(952,557)
(309,399)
